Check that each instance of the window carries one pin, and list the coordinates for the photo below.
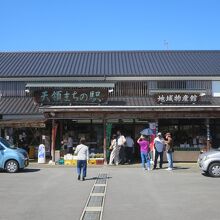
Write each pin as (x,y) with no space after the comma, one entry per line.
(171,84)
(130,89)
(216,88)
(188,134)
(181,85)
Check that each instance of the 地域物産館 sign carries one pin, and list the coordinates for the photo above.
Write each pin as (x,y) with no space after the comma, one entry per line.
(70,96)
(181,98)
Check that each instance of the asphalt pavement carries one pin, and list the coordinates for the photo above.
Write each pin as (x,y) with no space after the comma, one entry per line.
(46,193)
(182,194)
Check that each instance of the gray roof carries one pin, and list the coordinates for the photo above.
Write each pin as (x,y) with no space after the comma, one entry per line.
(110,63)
(18,105)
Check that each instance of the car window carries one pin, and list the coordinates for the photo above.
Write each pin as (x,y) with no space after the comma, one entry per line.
(1,147)
(7,144)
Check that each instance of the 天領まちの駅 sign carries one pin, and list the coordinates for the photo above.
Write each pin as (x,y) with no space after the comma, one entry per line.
(63,96)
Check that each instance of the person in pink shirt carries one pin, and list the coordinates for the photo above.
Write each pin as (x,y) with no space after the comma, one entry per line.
(144,150)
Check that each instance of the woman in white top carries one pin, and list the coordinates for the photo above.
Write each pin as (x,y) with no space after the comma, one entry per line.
(82,152)
(115,151)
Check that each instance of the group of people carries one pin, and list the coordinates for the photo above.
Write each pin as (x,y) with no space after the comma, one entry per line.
(161,145)
(122,148)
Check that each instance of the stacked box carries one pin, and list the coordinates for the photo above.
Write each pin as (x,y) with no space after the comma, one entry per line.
(99,161)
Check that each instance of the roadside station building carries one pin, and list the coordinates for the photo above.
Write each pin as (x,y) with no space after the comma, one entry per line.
(93,94)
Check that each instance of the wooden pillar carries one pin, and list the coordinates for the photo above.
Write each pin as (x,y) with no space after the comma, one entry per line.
(54,131)
(104,141)
(208,134)
(61,130)
(133,129)
(157,125)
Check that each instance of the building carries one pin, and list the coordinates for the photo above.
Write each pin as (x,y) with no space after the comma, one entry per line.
(52,94)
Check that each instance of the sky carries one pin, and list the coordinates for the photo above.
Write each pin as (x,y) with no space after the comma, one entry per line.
(58,25)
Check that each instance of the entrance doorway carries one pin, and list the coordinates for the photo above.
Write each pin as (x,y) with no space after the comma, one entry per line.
(133,128)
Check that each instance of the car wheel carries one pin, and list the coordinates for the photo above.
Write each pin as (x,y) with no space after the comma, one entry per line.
(11,166)
(214,170)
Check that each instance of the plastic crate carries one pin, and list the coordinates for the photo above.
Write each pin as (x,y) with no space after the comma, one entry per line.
(74,162)
(99,161)
(61,161)
(92,162)
(68,162)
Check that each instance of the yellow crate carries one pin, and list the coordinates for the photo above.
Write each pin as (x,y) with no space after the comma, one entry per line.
(74,162)
(68,162)
(92,162)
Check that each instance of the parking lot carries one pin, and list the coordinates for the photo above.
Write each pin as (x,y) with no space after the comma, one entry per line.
(44,192)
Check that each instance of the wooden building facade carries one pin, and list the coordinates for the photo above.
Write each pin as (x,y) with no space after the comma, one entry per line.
(93,94)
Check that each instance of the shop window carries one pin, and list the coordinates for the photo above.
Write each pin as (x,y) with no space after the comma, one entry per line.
(187,134)
(91,131)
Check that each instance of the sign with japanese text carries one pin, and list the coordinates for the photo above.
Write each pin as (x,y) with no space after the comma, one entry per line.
(181,98)
(68,96)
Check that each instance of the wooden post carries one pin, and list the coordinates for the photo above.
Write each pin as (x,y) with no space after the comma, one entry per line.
(104,141)
(54,131)
(208,134)
(61,130)
(157,125)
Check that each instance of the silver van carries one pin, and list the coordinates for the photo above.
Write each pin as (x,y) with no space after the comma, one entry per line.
(209,162)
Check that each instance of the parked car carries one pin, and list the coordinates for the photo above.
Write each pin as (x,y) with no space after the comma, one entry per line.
(12,158)
(209,162)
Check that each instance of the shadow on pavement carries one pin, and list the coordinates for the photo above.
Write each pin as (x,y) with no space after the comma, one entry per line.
(181,168)
(208,176)
(97,178)
(31,170)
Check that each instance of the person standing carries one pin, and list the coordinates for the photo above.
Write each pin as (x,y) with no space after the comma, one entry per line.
(144,149)
(120,141)
(114,156)
(64,144)
(70,145)
(129,148)
(169,150)
(82,152)
(152,153)
(159,146)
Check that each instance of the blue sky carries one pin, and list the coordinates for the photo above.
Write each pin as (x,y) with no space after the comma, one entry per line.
(27,25)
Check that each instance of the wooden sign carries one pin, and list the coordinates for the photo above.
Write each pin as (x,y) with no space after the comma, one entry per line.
(71,96)
(182,98)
